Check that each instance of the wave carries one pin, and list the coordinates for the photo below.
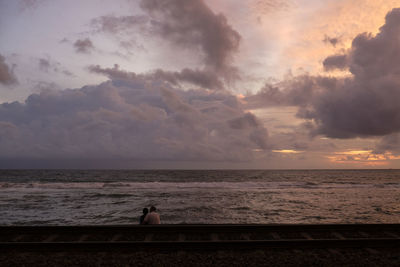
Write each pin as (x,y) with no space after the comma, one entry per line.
(188,185)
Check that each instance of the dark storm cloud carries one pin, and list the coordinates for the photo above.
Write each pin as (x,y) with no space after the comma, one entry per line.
(126,30)
(246,121)
(132,116)
(48,65)
(202,78)
(188,24)
(389,143)
(334,41)
(83,46)
(296,91)
(365,104)
(191,23)
(7,76)
(249,121)
(114,73)
(44,64)
(335,62)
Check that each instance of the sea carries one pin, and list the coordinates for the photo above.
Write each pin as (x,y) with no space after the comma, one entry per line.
(117,197)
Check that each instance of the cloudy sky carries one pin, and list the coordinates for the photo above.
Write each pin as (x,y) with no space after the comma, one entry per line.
(287,84)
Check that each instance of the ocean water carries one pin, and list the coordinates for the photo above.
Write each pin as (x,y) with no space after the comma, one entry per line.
(102,197)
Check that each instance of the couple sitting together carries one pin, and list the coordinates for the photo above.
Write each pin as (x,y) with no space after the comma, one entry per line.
(150,218)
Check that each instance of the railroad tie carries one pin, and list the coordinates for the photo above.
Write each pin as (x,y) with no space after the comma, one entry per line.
(115,237)
(363,234)
(149,237)
(181,237)
(334,251)
(83,238)
(275,235)
(214,237)
(391,234)
(306,236)
(18,238)
(338,235)
(245,236)
(50,238)
(372,251)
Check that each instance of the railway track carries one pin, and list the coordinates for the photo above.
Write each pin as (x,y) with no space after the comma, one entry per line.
(199,237)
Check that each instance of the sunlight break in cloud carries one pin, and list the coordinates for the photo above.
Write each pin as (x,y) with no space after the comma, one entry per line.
(287,151)
(362,157)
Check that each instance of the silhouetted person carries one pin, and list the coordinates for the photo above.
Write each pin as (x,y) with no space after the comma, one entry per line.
(152,217)
(141,219)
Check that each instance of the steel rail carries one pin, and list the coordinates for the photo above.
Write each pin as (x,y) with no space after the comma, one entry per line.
(201,237)
(202,227)
(203,245)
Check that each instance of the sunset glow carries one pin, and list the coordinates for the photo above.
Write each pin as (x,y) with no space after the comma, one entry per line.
(363,157)
(287,151)
(200,83)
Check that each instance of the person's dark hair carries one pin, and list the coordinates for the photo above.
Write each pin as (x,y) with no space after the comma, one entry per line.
(145,210)
(152,208)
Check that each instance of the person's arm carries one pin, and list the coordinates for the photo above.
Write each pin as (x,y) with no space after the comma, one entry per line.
(146,219)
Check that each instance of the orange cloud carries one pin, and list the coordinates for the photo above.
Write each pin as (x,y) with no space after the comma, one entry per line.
(287,151)
(341,20)
(362,157)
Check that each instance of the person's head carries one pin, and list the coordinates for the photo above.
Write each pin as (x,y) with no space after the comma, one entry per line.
(145,210)
(152,208)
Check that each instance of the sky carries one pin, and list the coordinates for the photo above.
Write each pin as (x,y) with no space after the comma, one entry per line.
(200,84)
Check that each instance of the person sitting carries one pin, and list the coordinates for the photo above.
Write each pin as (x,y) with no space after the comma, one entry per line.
(153,217)
(141,219)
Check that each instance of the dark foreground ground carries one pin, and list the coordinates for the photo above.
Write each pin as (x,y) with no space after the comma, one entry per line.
(265,257)
(201,245)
